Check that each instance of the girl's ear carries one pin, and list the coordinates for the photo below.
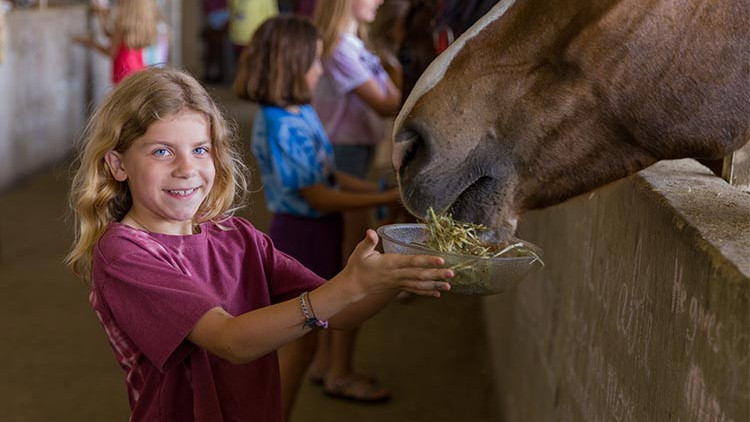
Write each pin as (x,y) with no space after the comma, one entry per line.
(114,162)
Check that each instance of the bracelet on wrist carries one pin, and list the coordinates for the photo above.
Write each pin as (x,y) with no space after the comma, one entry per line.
(311,321)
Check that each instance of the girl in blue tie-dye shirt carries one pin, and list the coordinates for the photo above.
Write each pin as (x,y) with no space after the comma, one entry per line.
(304,192)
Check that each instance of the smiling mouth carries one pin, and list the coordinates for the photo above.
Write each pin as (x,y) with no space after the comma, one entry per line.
(181,192)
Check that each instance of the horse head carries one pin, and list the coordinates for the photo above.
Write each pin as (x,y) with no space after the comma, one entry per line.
(542,100)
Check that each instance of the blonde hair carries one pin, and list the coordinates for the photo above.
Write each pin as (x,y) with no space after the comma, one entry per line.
(332,18)
(141,99)
(137,22)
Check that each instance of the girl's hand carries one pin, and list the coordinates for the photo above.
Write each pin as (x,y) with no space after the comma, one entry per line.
(374,272)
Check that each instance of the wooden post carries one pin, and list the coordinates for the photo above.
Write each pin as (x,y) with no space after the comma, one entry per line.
(736,168)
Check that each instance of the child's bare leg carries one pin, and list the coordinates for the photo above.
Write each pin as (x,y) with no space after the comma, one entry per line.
(294,358)
(342,380)
(341,354)
(319,365)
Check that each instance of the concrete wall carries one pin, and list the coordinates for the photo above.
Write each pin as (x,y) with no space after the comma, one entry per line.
(642,311)
(46,84)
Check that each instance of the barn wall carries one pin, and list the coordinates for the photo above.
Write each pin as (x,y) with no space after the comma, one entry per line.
(641,312)
(43,88)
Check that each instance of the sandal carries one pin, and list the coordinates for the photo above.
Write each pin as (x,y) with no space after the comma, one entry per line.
(357,388)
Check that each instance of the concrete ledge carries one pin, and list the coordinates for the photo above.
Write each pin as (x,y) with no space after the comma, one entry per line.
(642,311)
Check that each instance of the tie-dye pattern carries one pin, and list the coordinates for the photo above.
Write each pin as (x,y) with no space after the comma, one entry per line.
(293,152)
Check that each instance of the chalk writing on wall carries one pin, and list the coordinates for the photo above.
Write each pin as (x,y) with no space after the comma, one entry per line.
(594,383)
(701,403)
(700,319)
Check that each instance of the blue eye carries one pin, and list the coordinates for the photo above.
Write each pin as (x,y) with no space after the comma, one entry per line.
(161,152)
(201,150)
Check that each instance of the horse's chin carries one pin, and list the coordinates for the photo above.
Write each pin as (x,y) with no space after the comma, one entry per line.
(476,205)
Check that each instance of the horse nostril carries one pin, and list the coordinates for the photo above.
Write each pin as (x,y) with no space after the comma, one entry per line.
(405,148)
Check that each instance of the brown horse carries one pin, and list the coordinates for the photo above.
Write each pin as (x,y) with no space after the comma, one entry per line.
(542,100)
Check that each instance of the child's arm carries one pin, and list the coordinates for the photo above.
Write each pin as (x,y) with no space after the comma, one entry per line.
(91,43)
(102,11)
(102,14)
(361,289)
(325,199)
(385,103)
(353,183)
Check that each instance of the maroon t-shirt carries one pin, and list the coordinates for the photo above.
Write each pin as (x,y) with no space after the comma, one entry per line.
(150,289)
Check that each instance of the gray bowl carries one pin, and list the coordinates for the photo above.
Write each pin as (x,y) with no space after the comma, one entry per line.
(474,275)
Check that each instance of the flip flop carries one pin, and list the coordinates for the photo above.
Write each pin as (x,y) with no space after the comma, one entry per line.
(357,388)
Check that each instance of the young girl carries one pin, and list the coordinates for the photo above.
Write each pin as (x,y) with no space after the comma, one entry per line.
(135,27)
(194,301)
(353,96)
(304,191)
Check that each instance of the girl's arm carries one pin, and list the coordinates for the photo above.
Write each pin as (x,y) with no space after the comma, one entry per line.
(325,199)
(108,50)
(102,14)
(354,183)
(91,43)
(360,290)
(385,103)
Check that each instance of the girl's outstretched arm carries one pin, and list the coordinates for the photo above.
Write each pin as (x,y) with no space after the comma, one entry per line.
(386,274)
(102,13)
(353,183)
(91,43)
(325,199)
(365,285)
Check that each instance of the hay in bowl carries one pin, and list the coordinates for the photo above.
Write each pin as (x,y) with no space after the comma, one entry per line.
(507,264)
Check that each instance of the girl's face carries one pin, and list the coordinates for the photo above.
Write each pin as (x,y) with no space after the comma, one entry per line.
(364,11)
(169,171)
(316,69)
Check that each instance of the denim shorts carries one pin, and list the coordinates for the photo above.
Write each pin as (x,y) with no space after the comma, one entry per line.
(354,159)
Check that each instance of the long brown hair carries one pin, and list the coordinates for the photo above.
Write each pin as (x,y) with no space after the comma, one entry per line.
(273,66)
(140,100)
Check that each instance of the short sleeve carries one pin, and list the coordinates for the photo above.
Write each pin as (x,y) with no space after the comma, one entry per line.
(345,66)
(152,302)
(296,160)
(286,276)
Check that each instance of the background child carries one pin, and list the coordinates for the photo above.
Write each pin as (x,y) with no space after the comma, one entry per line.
(304,191)
(245,17)
(193,300)
(351,99)
(135,27)
(387,33)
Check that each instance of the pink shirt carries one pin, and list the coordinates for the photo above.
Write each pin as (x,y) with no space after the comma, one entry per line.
(150,289)
(126,62)
(346,118)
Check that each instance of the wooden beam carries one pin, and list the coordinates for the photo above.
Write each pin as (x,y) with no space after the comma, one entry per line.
(736,168)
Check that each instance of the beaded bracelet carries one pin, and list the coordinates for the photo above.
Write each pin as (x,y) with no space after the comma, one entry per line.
(311,320)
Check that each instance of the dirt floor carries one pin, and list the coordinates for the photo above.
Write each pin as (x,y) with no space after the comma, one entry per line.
(56,364)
